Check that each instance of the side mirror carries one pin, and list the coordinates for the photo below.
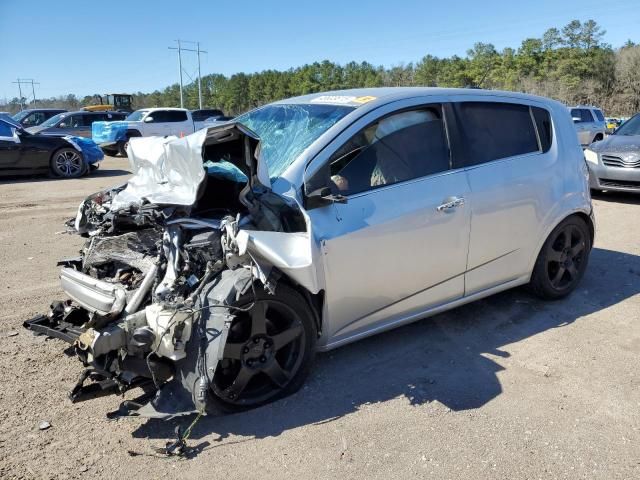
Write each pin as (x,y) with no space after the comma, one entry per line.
(323,196)
(576,119)
(148,119)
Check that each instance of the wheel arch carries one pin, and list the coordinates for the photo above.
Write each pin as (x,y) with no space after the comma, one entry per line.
(314,300)
(587,218)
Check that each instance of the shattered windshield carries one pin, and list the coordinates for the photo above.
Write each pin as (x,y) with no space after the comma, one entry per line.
(285,130)
(630,127)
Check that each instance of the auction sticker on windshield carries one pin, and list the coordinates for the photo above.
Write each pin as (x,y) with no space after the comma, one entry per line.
(342,99)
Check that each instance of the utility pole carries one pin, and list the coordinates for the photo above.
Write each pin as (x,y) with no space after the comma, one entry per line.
(27,81)
(199,80)
(181,49)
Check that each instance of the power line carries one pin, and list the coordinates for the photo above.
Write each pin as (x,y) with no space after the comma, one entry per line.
(27,81)
(181,49)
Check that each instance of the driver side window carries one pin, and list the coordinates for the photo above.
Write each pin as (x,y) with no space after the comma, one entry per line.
(396,148)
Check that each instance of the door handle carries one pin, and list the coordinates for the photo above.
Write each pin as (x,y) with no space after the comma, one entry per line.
(450,203)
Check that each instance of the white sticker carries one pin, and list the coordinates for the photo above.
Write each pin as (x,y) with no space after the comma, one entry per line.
(334,99)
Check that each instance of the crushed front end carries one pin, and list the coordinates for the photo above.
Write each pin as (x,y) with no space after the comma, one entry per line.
(149,300)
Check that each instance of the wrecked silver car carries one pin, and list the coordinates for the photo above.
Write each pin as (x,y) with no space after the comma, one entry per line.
(234,254)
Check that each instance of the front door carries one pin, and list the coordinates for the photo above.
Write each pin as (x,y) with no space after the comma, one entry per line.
(399,244)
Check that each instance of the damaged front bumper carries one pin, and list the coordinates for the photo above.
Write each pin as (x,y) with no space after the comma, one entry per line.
(150,301)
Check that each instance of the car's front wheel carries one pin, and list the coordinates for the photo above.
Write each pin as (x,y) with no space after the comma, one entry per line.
(563,260)
(269,350)
(67,163)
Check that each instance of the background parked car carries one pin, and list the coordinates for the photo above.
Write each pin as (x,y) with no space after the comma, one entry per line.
(614,163)
(589,123)
(611,124)
(200,116)
(24,153)
(36,116)
(75,123)
(113,137)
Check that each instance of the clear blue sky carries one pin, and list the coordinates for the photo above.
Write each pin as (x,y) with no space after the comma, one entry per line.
(87,47)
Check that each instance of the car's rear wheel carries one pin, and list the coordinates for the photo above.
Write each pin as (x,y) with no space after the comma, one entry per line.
(67,163)
(269,350)
(562,260)
(598,137)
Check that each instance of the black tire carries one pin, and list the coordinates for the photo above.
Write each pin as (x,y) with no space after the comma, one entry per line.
(111,152)
(244,378)
(122,144)
(67,163)
(563,260)
(598,137)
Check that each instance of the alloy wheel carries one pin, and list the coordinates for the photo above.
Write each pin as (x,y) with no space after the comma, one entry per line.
(263,353)
(68,163)
(565,257)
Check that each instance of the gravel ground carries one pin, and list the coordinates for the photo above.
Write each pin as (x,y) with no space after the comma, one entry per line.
(509,387)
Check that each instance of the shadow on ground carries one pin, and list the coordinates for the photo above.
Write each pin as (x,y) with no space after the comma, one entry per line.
(439,358)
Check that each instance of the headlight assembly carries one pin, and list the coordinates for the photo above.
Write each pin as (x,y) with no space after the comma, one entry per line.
(591,156)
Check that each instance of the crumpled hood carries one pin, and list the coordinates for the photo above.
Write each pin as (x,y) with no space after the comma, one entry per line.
(169,170)
(618,144)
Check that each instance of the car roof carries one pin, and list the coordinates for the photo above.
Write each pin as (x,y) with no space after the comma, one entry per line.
(380,95)
(153,109)
(60,110)
(85,112)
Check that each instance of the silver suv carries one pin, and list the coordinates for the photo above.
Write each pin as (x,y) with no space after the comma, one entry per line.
(590,124)
(234,254)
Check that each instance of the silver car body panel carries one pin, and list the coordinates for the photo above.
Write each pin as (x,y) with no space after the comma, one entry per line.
(411,260)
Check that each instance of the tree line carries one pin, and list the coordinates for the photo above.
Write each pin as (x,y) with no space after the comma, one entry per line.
(571,64)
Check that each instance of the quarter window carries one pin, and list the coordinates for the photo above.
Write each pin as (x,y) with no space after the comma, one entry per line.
(599,115)
(400,147)
(543,124)
(493,130)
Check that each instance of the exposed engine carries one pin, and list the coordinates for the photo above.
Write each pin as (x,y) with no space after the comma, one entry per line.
(148,297)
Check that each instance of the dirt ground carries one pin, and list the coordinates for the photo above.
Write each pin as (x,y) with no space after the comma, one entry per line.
(509,387)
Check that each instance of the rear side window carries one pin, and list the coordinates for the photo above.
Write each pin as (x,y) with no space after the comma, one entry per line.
(599,115)
(543,124)
(582,114)
(175,116)
(492,130)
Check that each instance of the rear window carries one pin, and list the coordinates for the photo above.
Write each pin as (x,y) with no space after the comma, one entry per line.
(492,130)
(200,115)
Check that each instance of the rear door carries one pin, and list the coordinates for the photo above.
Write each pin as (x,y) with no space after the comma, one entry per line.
(399,244)
(514,178)
(179,123)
